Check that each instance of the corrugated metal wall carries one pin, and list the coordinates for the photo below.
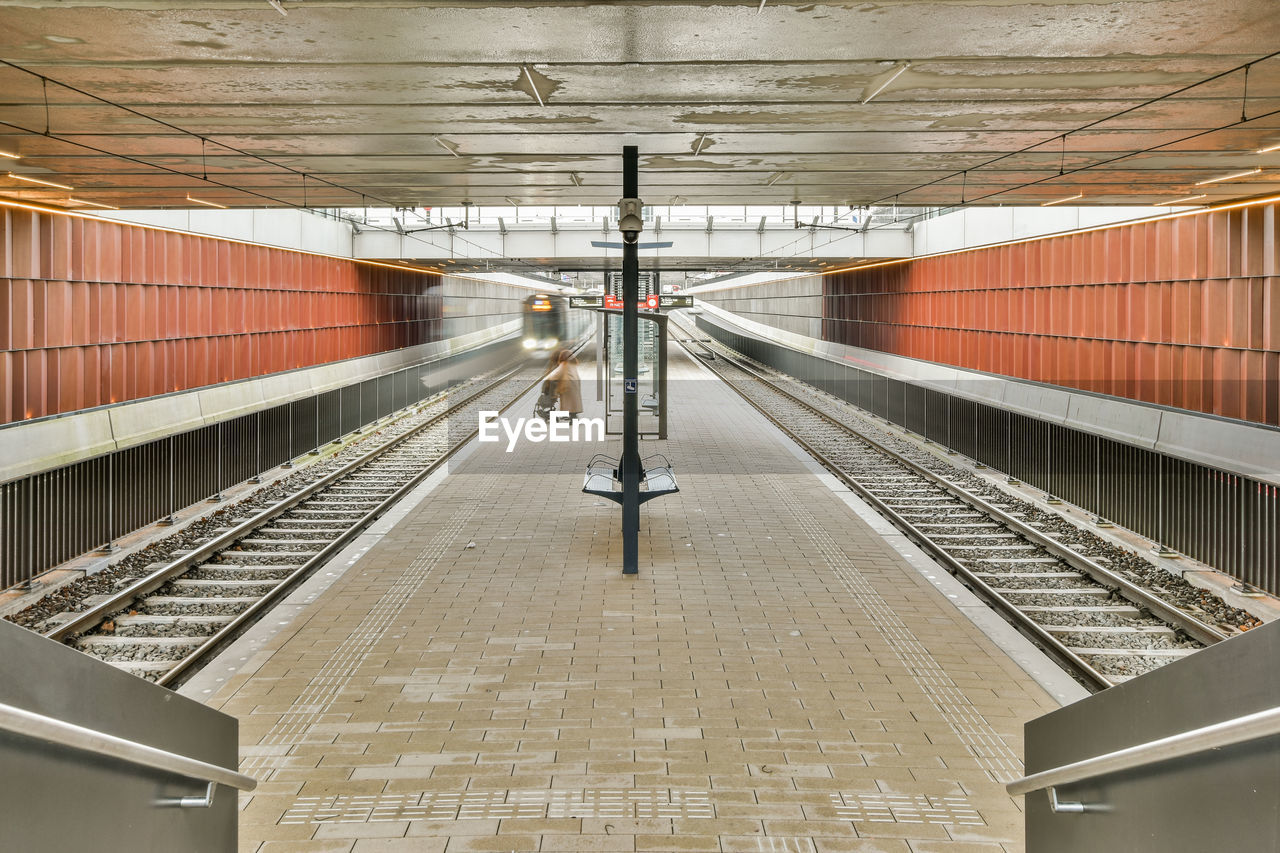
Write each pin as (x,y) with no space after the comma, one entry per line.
(1182,312)
(95,312)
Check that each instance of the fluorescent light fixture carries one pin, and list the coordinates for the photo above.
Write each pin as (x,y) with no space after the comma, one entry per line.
(275,4)
(1275,147)
(94,203)
(1180,200)
(576,178)
(1061,200)
(698,148)
(19,156)
(528,75)
(774,178)
(1246,173)
(202,201)
(886,83)
(447,146)
(38,181)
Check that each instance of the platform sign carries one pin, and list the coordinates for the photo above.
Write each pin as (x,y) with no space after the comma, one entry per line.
(650,303)
(629,386)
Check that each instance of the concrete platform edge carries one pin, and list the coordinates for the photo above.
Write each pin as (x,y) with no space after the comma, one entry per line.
(1062,687)
(242,659)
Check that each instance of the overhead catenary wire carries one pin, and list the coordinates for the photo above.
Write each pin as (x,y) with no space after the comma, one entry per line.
(964,173)
(45,80)
(895,198)
(974,201)
(948,208)
(1117,158)
(279,202)
(1095,123)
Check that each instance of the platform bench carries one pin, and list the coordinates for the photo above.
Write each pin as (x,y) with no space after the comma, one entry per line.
(603,480)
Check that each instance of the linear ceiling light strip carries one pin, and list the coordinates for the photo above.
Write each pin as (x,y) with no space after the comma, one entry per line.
(40,181)
(1246,173)
(206,203)
(93,203)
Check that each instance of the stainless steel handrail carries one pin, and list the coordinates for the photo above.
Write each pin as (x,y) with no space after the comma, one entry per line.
(29,724)
(1227,733)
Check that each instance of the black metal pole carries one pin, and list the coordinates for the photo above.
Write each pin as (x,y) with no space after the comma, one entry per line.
(630,461)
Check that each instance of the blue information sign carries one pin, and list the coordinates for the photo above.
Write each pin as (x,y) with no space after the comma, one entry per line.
(629,386)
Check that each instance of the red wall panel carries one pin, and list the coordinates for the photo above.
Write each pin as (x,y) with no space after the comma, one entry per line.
(1182,311)
(95,312)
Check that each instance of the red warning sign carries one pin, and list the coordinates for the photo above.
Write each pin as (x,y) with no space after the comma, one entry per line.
(614,303)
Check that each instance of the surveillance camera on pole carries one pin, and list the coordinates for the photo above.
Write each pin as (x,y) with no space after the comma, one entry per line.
(629,221)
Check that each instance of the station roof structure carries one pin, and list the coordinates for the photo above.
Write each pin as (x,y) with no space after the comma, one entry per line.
(338,103)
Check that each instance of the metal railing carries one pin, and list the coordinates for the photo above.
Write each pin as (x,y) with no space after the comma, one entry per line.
(53,516)
(40,727)
(1228,733)
(1227,520)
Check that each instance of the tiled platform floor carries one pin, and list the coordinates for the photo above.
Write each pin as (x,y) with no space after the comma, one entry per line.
(776,678)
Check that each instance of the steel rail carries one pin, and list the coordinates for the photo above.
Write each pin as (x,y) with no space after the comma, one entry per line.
(1066,658)
(1195,628)
(251,613)
(1052,644)
(246,617)
(150,583)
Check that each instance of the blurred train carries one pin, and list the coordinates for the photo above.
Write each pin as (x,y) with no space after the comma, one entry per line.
(549,324)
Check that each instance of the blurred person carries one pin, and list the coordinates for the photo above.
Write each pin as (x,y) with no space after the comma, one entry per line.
(564,379)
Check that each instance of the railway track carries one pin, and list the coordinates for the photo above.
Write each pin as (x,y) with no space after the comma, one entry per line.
(162,625)
(1100,625)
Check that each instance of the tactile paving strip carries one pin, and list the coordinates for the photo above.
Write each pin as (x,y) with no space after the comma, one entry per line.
(489,805)
(906,808)
(784,844)
(323,688)
(983,742)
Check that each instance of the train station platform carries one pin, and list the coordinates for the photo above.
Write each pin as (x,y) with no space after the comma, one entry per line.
(784,674)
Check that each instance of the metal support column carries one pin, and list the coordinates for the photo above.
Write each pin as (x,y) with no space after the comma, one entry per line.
(630,224)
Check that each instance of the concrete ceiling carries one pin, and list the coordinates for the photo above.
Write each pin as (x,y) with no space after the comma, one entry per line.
(728,102)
